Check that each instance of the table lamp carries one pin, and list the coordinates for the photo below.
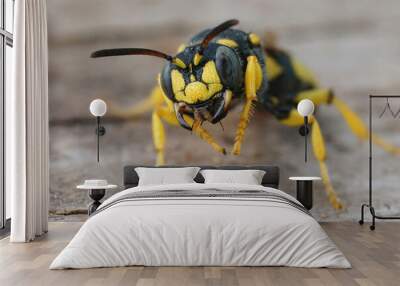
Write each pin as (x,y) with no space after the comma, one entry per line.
(305,109)
(98,108)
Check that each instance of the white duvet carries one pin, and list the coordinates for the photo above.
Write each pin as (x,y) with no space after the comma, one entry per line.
(200,231)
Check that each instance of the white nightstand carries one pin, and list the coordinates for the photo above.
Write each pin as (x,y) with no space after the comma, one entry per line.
(97,190)
(304,190)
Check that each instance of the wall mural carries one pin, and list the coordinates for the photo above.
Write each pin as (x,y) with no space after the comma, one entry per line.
(219,71)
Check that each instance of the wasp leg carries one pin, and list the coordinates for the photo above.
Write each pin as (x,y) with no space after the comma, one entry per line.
(318,96)
(163,110)
(168,115)
(158,137)
(253,79)
(357,127)
(293,120)
(204,135)
(143,107)
(318,144)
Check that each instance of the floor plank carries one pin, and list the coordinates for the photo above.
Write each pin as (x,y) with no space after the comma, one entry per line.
(375,257)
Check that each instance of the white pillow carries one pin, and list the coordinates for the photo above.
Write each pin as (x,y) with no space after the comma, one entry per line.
(165,176)
(248,177)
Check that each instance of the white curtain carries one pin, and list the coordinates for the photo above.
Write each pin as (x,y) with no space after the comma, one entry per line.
(27,135)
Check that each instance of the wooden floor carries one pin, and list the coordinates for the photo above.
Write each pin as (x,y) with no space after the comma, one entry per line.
(375,257)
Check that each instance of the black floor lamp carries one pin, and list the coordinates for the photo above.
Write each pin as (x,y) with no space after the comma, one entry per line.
(370,202)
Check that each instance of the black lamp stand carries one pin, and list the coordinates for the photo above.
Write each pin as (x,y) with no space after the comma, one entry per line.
(100,131)
(303,130)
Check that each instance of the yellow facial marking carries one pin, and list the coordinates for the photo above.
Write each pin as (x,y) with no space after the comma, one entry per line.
(227,42)
(195,91)
(210,74)
(196,59)
(273,68)
(228,99)
(254,39)
(179,63)
(181,48)
(178,83)
(213,88)
(180,96)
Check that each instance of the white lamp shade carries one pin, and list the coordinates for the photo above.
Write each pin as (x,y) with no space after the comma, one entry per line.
(305,107)
(98,107)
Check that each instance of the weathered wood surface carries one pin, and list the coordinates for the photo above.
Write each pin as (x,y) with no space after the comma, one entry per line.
(352,46)
(374,257)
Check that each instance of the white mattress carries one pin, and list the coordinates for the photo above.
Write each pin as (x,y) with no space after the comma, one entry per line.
(200,231)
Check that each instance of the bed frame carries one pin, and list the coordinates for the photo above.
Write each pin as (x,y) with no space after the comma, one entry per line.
(270,179)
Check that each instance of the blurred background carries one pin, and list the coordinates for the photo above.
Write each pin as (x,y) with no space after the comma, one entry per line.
(352,47)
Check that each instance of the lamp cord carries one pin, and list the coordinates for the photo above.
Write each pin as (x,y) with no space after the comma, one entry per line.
(98,138)
(305,137)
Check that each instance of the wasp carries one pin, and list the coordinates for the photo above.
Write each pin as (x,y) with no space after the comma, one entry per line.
(222,67)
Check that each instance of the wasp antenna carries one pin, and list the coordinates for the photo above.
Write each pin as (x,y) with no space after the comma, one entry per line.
(217,30)
(129,52)
(222,126)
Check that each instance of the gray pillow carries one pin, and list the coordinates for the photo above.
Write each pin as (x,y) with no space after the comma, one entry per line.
(247,177)
(165,176)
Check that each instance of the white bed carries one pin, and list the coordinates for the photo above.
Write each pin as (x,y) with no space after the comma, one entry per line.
(184,230)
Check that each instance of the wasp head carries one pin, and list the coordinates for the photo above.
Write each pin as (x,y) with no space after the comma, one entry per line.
(200,79)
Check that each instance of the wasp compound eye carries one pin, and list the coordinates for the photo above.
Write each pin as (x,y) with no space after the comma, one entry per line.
(229,68)
(165,82)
